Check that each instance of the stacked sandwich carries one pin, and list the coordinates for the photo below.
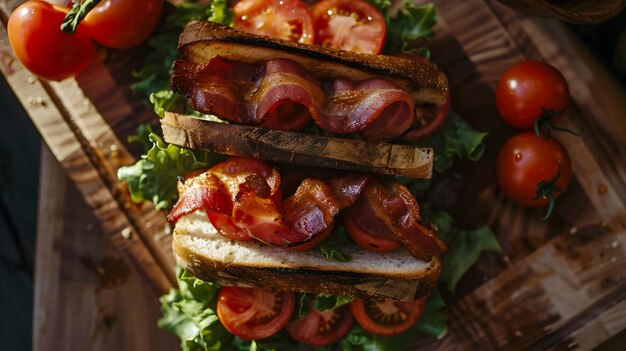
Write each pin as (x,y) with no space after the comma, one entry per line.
(250,226)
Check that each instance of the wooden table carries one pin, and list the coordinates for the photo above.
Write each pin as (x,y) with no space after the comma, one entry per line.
(86,296)
(557,284)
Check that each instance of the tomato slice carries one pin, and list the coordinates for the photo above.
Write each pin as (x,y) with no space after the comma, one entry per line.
(352,25)
(226,227)
(428,118)
(315,242)
(283,19)
(366,240)
(319,329)
(254,313)
(386,317)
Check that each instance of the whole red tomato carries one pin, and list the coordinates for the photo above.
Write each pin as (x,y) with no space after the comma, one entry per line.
(528,88)
(42,47)
(122,24)
(529,165)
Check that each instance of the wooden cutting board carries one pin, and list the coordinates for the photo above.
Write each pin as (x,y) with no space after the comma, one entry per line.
(557,283)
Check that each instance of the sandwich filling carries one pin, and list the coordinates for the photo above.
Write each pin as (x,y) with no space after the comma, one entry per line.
(282,94)
(243,200)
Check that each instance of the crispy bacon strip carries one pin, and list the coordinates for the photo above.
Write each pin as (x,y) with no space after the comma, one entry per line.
(203,191)
(389,210)
(280,93)
(215,191)
(240,197)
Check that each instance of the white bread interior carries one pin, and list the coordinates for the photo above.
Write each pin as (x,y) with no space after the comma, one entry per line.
(199,249)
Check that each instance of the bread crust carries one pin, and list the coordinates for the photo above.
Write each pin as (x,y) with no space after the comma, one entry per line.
(297,148)
(299,276)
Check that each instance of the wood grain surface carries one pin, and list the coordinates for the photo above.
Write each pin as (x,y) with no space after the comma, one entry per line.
(86,295)
(558,284)
(81,137)
(575,11)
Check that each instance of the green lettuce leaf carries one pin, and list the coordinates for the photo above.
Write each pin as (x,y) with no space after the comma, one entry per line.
(465,248)
(360,340)
(408,27)
(189,312)
(456,139)
(221,13)
(154,177)
(331,247)
(433,320)
(164,100)
(154,76)
(325,302)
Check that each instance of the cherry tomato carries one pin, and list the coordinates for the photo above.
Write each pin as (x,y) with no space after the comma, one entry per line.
(254,313)
(366,240)
(122,24)
(40,45)
(283,19)
(319,329)
(386,317)
(352,25)
(525,161)
(528,87)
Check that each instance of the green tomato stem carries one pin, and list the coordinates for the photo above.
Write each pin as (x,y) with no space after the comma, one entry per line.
(547,189)
(544,124)
(76,14)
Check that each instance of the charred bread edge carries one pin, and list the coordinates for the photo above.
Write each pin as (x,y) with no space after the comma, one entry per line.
(420,75)
(310,280)
(299,148)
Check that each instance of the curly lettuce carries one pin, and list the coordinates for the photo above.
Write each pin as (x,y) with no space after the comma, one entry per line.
(408,27)
(154,177)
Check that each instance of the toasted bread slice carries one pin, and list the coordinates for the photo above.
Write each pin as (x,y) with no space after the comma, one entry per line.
(203,40)
(397,275)
(297,148)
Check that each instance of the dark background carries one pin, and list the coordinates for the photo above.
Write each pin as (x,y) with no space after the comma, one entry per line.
(19,183)
(20,145)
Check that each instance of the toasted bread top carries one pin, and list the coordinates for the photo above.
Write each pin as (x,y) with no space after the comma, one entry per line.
(203,40)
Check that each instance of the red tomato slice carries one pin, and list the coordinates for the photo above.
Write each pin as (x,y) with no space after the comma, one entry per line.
(315,242)
(366,240)
(319,329)
(352,25)
(283,19)
(254,313)
(225,226)
(429,120)
(386,317)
